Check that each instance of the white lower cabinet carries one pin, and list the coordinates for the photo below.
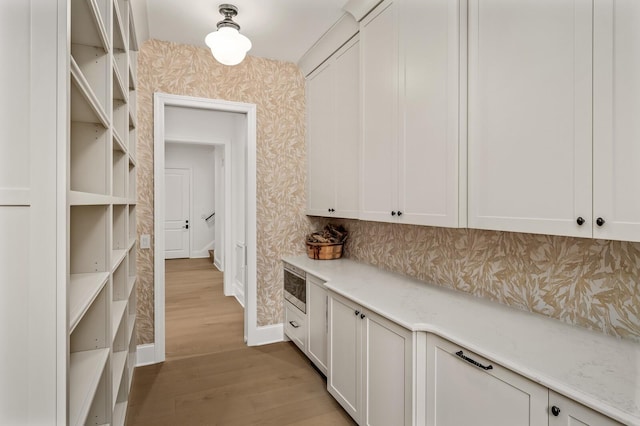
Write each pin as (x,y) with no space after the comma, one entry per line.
(466,389)
(566,412)
(295,325)
(370,365)
(317,322)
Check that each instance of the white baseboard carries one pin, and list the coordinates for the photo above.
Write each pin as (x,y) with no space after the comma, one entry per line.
(146,354)
(268,334)
(238,292)
(218,264)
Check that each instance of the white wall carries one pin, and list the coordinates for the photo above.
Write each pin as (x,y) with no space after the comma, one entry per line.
(200,159)
(199,125)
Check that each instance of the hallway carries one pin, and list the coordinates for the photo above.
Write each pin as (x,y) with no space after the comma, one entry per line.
(211,377)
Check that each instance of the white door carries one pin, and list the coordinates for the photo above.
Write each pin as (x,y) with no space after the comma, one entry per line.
(530,116)
(320,144)
(616,127)
(460,392)
(388,372)
(345,352)
(566,412)
(176,225)
(317,320)
(379,101)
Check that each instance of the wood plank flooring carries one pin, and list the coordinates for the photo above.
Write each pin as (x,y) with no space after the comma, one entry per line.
(211,377)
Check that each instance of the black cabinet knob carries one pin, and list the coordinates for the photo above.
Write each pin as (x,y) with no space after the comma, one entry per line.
(357,312)
(580,221)
(362,316)
(393,213)
(599,221)
(555,411)
(399,213)
(329,210)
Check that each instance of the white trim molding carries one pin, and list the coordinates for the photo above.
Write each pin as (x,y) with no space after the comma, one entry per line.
(145,354)
(161,100)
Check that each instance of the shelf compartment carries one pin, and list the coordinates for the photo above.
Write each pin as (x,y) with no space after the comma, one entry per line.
(120,119)
(133,257)
(90,332)
(119,174)
(120,40)
(118,308)
(119,236)
(119,413)
(120,283)
(132,227)
(88,242)
(132,352)
(89,70)
(119,372)
(89,23)
(83,290)
(86,376)
(119,91)
(88,151)
(132,182)
(117,256)
(133,70)
(133,112)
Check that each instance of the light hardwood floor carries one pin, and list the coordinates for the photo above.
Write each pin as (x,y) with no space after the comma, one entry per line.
(211,377)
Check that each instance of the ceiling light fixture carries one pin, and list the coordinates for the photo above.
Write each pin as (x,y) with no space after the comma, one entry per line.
(228,46)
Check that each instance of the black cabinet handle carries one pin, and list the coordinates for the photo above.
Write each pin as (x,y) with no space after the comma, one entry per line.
(474,362)
(357,312)
(599,221)
(399,213)
(393,213)
(580,221)
(294,324)
(362,316)
(555,411)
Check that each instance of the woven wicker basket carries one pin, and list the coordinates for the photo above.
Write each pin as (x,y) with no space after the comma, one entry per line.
(324,251)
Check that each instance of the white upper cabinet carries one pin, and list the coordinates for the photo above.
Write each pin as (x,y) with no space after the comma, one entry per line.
(530,116)
(616,125)
(554,96)
(333,135)
(411,92)
(379,71)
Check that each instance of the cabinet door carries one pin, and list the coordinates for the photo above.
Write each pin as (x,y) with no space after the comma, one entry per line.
(317,319)
(387,372)
(379,72)
(460,393)
(346,121)
(570,413)
(345,352)
(429,140)
(530,115)
(320,186)
(616,126)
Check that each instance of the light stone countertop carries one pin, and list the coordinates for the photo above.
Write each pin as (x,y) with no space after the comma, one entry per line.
(596,370)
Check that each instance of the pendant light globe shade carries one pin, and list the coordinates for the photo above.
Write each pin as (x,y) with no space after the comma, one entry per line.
(228,46)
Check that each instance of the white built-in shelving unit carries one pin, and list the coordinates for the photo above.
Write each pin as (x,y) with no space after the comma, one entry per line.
(101,201)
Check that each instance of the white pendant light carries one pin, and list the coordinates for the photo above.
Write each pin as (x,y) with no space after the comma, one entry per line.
(227,45)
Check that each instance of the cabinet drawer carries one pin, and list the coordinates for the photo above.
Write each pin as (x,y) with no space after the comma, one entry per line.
(464,388)
(295,325)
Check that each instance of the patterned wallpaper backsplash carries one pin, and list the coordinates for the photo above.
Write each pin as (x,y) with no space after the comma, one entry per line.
(589,283)
(277,88)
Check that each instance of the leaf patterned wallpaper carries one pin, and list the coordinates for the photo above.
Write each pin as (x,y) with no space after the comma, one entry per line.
(277,88)
(584,282)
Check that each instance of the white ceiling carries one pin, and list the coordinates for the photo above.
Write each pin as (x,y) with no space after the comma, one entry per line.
(278,29)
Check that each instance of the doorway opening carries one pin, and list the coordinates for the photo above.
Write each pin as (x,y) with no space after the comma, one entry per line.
(237,217)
